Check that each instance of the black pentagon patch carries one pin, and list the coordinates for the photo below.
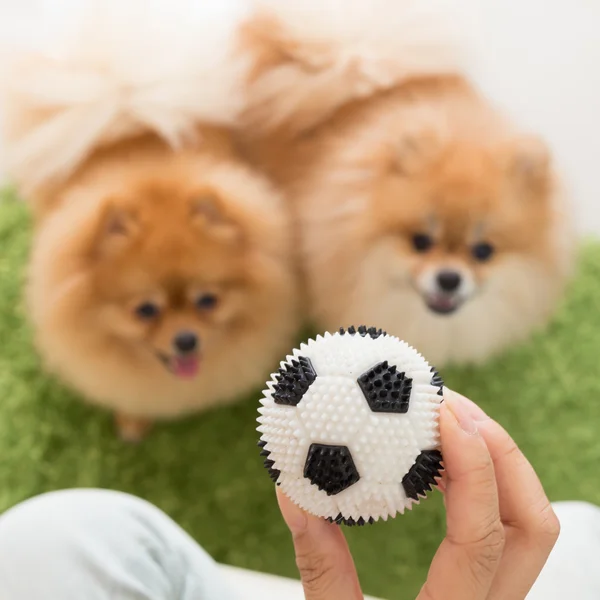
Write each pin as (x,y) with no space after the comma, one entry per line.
(330,468)
(293,382)
(437,381)
(341,520)
(386,390)
(268,463)
(363,331)
(418,481)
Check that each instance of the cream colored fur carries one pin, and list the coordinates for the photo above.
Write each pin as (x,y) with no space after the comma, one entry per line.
(96,71)
(366,114)
(102,99)
(340,50)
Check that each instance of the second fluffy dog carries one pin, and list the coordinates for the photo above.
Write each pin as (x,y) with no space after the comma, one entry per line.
(421,208)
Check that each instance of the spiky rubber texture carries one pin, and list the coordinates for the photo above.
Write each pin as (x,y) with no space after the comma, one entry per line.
(385,389)
(363,331)
(268,463)
(293,381)
(330,468)
(422,475)
(340,520)
(395,454)
(437,381)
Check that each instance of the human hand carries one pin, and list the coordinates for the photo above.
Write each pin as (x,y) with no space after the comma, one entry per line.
(500,526)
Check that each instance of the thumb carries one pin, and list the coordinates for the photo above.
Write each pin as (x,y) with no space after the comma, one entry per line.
(322,555)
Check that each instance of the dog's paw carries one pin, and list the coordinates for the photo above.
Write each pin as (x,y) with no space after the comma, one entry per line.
(132,429)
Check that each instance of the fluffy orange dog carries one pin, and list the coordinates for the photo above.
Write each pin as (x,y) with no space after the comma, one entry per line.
(160,280)
(421,209)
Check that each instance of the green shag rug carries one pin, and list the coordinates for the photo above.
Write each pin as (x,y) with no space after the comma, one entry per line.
(206,473)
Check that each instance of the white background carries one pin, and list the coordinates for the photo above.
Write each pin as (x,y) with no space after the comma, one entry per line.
(540,59)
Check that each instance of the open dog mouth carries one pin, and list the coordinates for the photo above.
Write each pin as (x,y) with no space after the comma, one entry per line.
(185,366)
(443,304)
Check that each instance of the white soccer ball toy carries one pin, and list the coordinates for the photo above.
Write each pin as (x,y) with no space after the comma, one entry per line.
(350,427)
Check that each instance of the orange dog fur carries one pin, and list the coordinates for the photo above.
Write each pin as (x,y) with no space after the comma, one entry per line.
(421,209)
(161,279)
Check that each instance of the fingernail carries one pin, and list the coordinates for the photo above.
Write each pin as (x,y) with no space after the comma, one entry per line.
(295,518)
(476,412)
(461,412)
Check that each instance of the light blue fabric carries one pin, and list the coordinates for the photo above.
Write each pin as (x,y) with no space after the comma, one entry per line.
(101,545)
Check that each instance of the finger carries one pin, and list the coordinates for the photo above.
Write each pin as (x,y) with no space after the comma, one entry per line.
(531,526)
(442,482)
(466,562)
(322,555)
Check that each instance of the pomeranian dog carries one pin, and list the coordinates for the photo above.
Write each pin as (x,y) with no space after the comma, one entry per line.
(161,278)
(421,209)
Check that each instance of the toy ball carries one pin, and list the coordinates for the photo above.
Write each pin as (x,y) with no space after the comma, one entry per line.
(350,426)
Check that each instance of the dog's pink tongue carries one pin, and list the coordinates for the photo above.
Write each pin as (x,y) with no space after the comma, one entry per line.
(444,302)
(186,366)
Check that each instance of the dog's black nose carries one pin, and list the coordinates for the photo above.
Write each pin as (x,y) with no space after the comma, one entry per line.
(186,341)
(449,281)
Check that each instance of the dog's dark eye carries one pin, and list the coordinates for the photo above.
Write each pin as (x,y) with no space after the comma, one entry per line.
(483,251)
(422,242)
(207,301)
(147,311)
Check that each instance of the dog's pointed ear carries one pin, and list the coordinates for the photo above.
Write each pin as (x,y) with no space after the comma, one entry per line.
(117,226)
(529,164)
(209,212)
